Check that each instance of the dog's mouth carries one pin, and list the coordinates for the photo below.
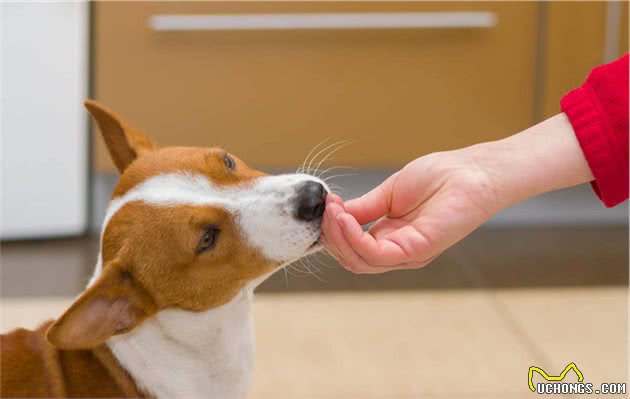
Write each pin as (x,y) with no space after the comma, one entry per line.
(317,245)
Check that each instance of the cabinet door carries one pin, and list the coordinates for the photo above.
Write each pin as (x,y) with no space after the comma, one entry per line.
(269,96)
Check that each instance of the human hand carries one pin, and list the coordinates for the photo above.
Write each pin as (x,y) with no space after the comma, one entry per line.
(420,211)
(438,199)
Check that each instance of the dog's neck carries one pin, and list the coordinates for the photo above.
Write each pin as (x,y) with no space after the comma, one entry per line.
(182,354)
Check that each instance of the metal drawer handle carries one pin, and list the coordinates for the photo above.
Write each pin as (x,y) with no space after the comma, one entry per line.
(409,20)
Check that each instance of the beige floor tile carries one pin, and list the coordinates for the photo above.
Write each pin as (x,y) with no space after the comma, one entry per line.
(30,312)
(588,326)
(416,344)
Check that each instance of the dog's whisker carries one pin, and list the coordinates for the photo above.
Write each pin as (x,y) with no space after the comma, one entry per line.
(316,171)
(304,270)
(305,265)
(321,262)
(327,157)
(333,151)
(336,189)
(300,273)
(340,175)
(293,272)
(322,151)
(286,277)
(301,264)
(311,266)
(315,155)
(302,167)
(328,170)
(317,272)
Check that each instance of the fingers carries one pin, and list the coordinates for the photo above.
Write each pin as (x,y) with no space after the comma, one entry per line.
(381,252)
(374,204)
(334,198)
(357,250)
(361,252)
(335,241)
(328,229)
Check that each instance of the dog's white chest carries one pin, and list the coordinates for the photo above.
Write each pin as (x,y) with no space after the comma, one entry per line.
(182,354)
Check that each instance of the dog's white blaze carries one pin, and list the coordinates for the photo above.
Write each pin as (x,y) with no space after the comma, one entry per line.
(210,354)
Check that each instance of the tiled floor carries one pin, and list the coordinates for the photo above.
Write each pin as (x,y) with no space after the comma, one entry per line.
(468,326)
(446,344)
(419,344)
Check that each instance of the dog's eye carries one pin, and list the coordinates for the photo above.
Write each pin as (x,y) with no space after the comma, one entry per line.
(208,239)
(229,162)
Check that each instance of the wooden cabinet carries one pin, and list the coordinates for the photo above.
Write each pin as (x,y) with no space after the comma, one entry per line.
(574,42)
(270,96)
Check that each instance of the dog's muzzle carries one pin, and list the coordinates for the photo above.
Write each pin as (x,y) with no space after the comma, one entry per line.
(310,201)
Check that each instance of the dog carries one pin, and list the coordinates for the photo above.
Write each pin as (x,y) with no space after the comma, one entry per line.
(188,234)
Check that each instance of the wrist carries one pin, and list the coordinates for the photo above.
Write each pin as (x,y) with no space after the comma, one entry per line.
(543,158)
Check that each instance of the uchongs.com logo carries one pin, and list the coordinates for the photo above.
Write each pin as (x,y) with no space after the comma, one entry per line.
(556,384)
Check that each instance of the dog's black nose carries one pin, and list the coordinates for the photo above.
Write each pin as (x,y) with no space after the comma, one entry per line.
(310,201)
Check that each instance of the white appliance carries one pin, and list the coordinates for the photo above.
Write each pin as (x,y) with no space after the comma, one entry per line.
(44,147)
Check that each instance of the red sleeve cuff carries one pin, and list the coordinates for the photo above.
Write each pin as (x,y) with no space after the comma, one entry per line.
(598,144)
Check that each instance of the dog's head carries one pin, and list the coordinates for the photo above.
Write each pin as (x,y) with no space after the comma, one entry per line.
(187,228)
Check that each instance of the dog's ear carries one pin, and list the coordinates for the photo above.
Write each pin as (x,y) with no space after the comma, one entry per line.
(114,304)
(123,142)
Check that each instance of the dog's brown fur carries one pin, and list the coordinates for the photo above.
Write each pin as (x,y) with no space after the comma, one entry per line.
(31,367)
(149,263)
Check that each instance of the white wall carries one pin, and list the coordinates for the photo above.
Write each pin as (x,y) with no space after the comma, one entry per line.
(44,58)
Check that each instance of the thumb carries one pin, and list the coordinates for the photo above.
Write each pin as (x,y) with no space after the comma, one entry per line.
(374,204)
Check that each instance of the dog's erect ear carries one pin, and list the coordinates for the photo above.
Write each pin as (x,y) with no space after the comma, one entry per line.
(123,142)
(114,304)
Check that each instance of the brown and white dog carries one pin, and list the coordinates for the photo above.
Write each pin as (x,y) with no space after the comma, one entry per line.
(188,235)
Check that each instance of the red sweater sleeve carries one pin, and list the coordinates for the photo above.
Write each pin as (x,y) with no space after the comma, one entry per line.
(598,111)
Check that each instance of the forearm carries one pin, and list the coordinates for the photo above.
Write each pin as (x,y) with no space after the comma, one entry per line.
(543,158)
